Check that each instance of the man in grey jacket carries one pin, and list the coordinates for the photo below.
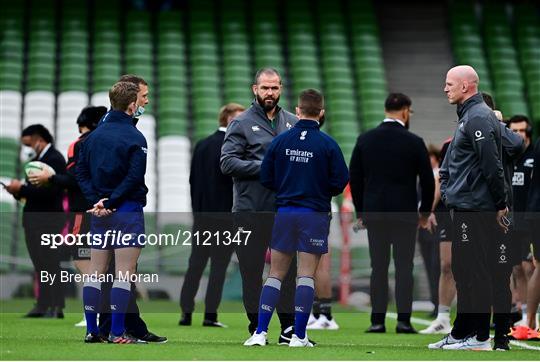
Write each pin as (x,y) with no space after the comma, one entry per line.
(473,187)
(246,140)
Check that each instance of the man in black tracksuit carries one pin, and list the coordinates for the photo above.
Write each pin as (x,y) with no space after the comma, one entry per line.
(211,202)
(473,187)
(533,212)
(501,261)
(246,141)
(521,181)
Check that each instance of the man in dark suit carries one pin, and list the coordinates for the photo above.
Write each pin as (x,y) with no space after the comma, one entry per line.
(385,164)
(211,201)
(43,214)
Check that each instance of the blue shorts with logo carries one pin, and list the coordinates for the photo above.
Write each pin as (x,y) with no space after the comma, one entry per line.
(121,229)
(300,229)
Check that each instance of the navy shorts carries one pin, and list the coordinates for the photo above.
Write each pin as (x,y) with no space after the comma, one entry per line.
(300,229)
(122,229)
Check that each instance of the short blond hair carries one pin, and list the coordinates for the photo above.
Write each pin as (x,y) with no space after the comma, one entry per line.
(227,111)
(122,94)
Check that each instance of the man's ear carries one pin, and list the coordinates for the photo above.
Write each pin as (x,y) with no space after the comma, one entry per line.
(321,113)
(297,111)
(254,89)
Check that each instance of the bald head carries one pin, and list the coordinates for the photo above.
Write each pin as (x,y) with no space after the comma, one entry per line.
(461,84)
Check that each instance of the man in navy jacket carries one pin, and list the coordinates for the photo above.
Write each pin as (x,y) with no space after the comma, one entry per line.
(305,167)
(110,172)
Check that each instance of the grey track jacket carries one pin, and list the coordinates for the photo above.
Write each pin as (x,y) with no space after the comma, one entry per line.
(246,141)
(472,176)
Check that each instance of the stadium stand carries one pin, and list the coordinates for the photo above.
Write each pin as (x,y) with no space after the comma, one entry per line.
(502,58)
(527,35)
(237,62)
(58,55)
(106,50)
(73,77)
(368,63)
(338,75)
(267,42)
(205,68)
(467,41)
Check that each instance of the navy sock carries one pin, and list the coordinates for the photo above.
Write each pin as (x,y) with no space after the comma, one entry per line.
(303,301)
(91,302)
(269,299)
(120,294)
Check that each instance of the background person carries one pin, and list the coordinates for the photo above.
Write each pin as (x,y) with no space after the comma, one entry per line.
(472,165)
(521,180)
(384,168)
(447,285)
(428,238)
(135,325)
(79,219)
(533,210)
(43,213)
(305,168)
(321,317)
(246,141)
(113,181)
(211,202)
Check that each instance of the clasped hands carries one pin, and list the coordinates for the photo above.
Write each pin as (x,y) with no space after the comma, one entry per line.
(99,209)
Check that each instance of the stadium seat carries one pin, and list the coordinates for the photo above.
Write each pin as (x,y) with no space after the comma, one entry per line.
(39,108)
(173,170)
(10,105)
(69,106)
(527,35)
(9,149)
(499,44)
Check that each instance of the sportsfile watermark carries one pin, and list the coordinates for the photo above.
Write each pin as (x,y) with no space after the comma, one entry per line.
(117,238)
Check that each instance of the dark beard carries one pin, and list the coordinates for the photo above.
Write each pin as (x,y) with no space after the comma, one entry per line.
(266,107)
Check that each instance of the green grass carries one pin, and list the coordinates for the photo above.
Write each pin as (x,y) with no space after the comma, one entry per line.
(25,339)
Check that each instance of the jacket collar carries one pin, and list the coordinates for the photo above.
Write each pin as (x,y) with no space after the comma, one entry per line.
(118,116)
(465,106)
(307,123)
(44,151)
(392,124)
(394,120)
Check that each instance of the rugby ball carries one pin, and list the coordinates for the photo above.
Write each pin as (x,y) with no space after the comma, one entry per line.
(33,167)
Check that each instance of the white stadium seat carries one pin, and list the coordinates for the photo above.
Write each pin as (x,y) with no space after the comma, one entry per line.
(39,108)
(10,113)
(100,99)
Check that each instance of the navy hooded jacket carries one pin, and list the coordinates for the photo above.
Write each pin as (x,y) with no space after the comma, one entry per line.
(112,162)
(305,167)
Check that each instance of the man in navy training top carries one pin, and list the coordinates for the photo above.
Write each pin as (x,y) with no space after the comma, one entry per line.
(306,168)
(110,172)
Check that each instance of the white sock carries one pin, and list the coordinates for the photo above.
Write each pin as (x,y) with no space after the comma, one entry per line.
(524,313)
(444,312)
